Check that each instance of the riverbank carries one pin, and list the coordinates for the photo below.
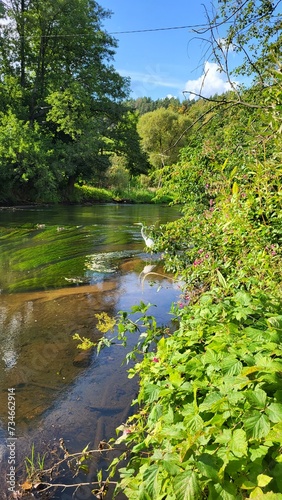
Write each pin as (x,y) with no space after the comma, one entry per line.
(84,195)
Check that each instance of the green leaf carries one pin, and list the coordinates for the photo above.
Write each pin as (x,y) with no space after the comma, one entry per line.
(175,378)
(224,437)
(151,392)
(231,366)
(210,402)
(194,423)
(274,412)
(143,494)
(243,298)
(235,188)
(224,491)
(258,452)
(248,485)
(171,467)
(238,443)
(186,486)
(275,434)
(221,279)
(263,480)
(152,485)
(257,426)
(257,398)
(209,466)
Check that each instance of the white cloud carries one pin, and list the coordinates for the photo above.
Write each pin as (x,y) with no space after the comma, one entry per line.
(210,83)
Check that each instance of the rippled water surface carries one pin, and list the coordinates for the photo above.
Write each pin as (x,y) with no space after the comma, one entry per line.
(58,268)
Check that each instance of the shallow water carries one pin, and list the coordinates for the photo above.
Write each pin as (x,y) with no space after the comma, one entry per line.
(58,268)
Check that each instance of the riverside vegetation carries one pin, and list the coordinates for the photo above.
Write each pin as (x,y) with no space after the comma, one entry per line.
(208,423)
(209,417)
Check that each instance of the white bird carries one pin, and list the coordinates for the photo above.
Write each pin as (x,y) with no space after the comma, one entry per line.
(149,242)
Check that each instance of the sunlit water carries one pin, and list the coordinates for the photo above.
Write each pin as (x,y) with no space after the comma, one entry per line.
(58,268)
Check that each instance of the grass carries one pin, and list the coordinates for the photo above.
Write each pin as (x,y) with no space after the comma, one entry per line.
(88,194)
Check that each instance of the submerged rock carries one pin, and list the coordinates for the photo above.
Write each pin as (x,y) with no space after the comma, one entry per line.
(83,359)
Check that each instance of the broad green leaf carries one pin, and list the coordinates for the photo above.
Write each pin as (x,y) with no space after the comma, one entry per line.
(248,485)
(254,333)
(275,322)
(186,486)
(209,466)
(275,433)
(257,452)
(151,483)
(234,465)
(194,423)
(151,392)
(238,443)
(168,417)
(210,402)
(257,398)
(231,365)
(224,437)
(258,494)
(171,467)
(263,480)
(249,370)
(243,298)
(274,412)
(223,491)
(210,356)
(266,363)
(257,426)
(175,378)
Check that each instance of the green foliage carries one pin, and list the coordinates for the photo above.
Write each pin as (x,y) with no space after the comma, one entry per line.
(209,418)
(89,194)
(34,464)
(25,161)
(118,176)
(56,116)
(253,29)
(161,132)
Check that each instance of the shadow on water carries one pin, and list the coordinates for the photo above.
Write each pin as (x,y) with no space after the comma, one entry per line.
(60,393)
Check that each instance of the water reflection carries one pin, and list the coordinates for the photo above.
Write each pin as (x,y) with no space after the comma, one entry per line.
(53,282)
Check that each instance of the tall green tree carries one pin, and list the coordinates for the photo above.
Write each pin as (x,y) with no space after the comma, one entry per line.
(162,135)
(56,62)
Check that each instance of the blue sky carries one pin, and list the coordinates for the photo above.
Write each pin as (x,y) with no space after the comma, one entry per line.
(164,62)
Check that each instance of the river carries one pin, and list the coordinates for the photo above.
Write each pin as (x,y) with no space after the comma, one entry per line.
(59,267)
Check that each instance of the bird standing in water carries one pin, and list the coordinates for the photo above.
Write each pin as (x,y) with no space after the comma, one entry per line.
(149,242)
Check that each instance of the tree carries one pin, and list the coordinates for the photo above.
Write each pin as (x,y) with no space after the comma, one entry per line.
(58,58)
(252,30)
(161,131)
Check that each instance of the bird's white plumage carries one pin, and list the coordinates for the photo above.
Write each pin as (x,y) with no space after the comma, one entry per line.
(149,242)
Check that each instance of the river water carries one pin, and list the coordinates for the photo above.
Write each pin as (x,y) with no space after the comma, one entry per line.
(58,268)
